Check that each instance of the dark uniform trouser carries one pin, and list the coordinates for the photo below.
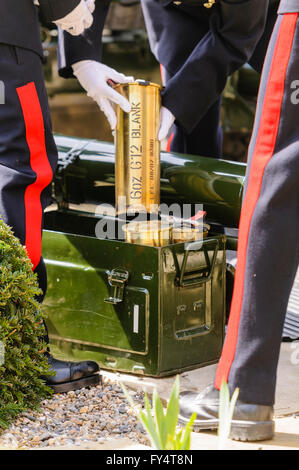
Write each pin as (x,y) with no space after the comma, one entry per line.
(205,139)
(268,251)
(28,154)
(174,31)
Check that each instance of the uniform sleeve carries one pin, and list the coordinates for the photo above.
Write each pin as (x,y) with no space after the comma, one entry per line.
(235,30)
(87,46)
(55,9)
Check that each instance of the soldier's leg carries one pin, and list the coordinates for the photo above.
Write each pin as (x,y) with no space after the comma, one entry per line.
(268,251)
(28,154)
(258,57)
(205,139)
(173,34)
(28,158)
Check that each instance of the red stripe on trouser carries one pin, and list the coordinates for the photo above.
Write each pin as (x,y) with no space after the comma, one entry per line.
(264,149)
(169,142)
(35,137)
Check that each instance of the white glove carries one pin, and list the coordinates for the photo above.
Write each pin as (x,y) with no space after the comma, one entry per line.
(91,5)
(166,122)
(79,19)
(93,77)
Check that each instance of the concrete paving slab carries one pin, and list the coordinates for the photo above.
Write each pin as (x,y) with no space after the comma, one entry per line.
(286,438)
(287,391)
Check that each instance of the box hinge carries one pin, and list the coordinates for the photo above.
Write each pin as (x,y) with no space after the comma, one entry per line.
(117,279)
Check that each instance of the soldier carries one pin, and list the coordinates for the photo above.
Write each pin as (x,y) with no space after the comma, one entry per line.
(28,154)
(199,47)
(268,251)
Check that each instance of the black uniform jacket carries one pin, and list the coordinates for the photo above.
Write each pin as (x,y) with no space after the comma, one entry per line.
(234,28)
(19,22)
(88,46)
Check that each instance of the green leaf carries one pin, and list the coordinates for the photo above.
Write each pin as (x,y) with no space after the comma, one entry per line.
(233,403)
(186,442)
(161,420)
(226,411)
(152,426)
(173,408)
(223,412)
(176,445)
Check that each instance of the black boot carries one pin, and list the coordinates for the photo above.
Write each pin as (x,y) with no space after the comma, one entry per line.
(250,422)
(72,375)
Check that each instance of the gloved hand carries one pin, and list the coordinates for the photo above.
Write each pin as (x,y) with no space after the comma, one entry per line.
(93,77)
(166,122)
(79,19)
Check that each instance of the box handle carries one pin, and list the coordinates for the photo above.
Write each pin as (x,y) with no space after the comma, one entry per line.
(203,274)
(117,279)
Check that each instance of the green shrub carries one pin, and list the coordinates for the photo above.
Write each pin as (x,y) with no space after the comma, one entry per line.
(21,331)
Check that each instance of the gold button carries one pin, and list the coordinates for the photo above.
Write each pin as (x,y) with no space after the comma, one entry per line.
(209,4)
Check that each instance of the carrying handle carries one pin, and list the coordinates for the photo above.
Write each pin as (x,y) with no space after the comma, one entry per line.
(203,274)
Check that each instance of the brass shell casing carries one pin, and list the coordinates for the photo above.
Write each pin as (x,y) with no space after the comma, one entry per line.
(158,233)
(150,233)
(137,163)
(186,233)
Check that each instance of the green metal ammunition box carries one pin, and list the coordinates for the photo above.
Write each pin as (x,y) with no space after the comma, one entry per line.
(133,308)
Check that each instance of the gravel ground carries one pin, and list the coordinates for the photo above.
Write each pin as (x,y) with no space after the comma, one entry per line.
(85,416)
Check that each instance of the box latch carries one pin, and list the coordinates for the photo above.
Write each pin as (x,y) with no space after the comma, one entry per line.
(63,195)
(117,279)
